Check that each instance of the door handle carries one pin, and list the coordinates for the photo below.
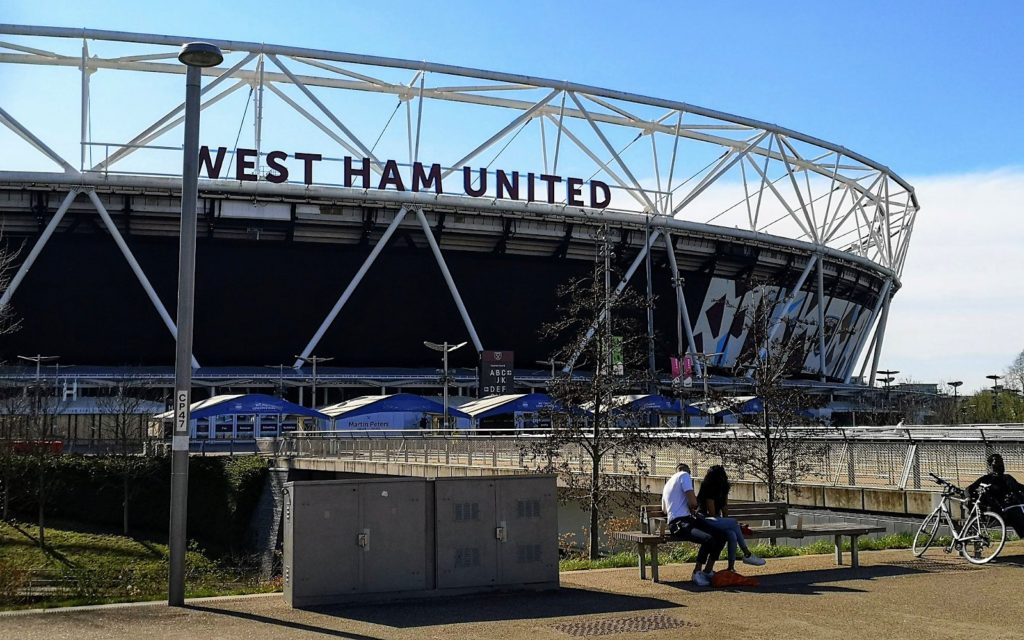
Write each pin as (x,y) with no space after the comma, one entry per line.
(363,539)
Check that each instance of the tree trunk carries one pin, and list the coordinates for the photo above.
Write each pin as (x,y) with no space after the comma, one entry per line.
(7,492)
(770,463)
(42,507)
(124,486)
(595,486)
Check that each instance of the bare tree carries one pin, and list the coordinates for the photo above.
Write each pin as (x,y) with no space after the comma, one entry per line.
(780,446)
(42,445)
(13,423)
(600,450)
(1015,373)
(124,419)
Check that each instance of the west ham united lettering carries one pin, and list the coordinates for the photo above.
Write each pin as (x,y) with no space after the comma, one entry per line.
(358,173)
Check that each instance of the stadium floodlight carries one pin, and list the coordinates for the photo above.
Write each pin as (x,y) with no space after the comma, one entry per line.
(445,349)
(195,56)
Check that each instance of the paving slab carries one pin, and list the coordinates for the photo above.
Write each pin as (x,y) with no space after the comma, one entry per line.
(892,595)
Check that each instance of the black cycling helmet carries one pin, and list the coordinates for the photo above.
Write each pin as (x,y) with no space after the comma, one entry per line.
(995,464)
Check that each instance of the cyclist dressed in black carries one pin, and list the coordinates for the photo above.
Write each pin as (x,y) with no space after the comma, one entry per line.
(1004,495)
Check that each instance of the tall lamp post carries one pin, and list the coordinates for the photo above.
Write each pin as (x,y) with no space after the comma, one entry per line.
(889,377)
(195,56)
(956,400)
(39,360)
(445,349)
(554,363)
(996,387)
(314,360)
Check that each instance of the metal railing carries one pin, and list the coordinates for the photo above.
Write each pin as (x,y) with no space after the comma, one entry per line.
(883,457)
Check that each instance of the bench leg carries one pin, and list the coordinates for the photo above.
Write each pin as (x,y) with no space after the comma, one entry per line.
(654,562)
(839,549)
(640,548)
(854,560)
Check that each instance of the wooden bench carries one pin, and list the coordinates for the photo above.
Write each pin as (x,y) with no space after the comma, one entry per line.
(653,521)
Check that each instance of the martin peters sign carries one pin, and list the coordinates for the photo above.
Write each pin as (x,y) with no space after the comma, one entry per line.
(357,173)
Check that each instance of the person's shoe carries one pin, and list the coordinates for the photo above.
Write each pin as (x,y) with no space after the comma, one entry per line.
(754,560)
(701,579)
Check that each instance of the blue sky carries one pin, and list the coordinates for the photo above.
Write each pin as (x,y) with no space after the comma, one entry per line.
(931,89)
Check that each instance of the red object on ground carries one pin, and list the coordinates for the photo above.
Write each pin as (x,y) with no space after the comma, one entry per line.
(724,579)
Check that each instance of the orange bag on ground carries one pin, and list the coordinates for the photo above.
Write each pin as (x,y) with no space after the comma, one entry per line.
(724,579)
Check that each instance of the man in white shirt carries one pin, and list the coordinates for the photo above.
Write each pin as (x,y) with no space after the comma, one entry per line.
(684,523)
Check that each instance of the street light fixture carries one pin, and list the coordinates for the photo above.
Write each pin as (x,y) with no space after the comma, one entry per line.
(554,363)
(195,56)
(313,360)
(39,360)
(956,399)
(996,387)
(445,349)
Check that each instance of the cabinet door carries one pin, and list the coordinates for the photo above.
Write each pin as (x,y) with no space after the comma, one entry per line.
(466,542)
(324,536)
(527,509)
(394,555)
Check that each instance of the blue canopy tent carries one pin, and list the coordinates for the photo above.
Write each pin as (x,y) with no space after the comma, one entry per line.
(253,404)
(509,404)
(512,411)
(401,410)
(228,417)
(654,403)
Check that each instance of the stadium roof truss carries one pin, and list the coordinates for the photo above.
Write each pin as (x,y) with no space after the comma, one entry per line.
(669,166)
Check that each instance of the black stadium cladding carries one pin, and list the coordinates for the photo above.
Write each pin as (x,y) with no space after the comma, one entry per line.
(356,173)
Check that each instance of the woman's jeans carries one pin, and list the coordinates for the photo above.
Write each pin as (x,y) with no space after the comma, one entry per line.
(731,528)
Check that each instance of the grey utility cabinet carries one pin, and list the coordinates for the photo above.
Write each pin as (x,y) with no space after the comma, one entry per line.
(499,532)
(357,540)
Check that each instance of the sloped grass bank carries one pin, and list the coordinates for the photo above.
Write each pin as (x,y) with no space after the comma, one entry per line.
(79,568)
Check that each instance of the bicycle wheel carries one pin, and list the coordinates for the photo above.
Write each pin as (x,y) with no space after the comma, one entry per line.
(984,538)
(926,533)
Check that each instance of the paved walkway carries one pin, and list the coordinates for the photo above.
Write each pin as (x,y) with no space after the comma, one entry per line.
(893,595)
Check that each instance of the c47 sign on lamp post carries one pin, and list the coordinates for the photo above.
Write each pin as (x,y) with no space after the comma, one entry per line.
(195,55)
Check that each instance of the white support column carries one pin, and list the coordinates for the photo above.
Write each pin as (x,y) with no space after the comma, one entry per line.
(883,296)
(350,289)
(821,319)
(615,294)
(136,269)
(38,247)
(85,103)
(879,337)
(448,279)
(684,313)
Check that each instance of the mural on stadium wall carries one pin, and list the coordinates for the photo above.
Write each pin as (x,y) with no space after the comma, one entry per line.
(723,325)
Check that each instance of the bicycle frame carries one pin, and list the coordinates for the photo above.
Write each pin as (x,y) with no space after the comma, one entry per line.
(947,515)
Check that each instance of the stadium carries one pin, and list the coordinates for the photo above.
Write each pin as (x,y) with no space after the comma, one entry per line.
(354,206)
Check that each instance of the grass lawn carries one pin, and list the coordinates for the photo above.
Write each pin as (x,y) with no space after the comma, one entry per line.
(89,568)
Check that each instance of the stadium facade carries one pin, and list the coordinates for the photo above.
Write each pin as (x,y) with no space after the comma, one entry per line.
(354,206)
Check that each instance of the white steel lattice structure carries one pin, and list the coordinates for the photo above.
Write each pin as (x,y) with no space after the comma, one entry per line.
(712,196)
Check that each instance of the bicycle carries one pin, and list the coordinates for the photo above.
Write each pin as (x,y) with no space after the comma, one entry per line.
(981,536)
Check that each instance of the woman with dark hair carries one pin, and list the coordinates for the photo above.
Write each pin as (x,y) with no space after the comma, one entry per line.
(713,501)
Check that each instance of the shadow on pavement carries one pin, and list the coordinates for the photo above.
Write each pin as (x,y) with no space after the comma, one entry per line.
(567,601)
(812,582)
(278,622)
